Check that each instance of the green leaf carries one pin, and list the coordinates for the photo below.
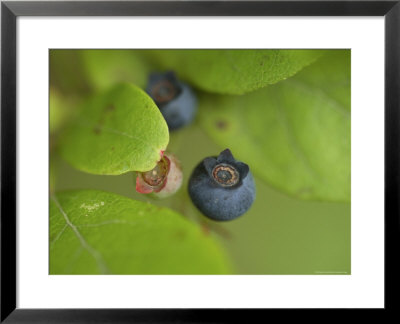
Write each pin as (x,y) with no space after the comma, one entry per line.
(118,131)
(52,173)
(295,135)
(58,111)
(105,68)
(233,71)
(95,232)
(62,110)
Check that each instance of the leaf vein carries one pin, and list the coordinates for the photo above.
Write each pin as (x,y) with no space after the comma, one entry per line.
(94,253)
(59,234)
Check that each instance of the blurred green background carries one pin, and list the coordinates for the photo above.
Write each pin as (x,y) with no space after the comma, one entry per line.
(280,234)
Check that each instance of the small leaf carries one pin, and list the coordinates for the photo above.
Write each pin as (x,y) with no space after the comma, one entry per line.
(295,135)
(233,71)
(95,232)
(105,68)
(118,131)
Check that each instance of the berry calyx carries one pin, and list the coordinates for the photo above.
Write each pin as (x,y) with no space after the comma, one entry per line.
(157,176)
(163,87)
(175,99)
(163,91)
(226,175)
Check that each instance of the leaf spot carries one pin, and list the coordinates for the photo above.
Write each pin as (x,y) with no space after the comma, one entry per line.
(221,124)
(97,129)
(91,208)
(110,108)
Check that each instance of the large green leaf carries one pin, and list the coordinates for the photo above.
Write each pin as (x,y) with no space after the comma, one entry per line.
(58,112)
(233,71)
(95,232)
(105,68)
(62,110)
(118,131)
(296,134)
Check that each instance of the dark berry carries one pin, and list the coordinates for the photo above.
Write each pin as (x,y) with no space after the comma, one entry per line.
(222,188)
(175,99)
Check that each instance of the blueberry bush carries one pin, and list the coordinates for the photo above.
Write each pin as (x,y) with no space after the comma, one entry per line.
(284,113)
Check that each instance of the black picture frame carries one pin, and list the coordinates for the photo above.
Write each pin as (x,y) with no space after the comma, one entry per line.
(10,10)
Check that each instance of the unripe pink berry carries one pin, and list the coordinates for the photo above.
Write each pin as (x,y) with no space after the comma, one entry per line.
(164,180)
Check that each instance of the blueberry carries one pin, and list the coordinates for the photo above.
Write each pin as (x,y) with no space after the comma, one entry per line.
(175,99)
(164,180)
(222,188)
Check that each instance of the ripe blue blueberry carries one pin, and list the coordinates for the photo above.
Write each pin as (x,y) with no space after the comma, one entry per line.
(175,99)
(222,188)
